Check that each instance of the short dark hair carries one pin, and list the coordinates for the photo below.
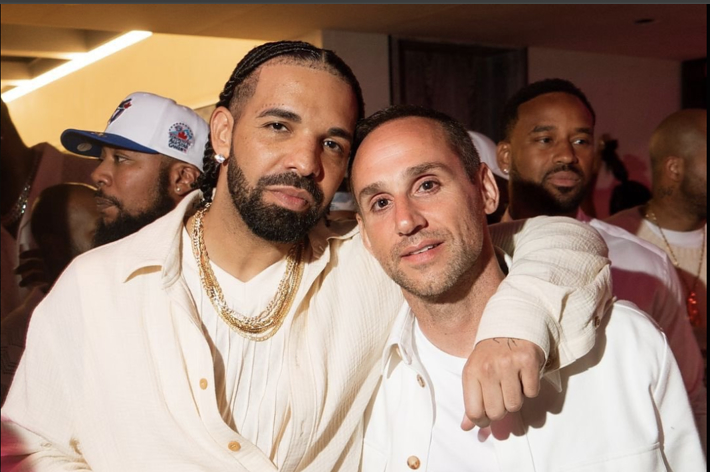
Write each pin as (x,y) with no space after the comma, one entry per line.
(509,115)
(457,137)
(239,87)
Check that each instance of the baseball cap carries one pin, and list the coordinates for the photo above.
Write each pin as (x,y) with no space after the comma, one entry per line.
(487,152)
(149,123)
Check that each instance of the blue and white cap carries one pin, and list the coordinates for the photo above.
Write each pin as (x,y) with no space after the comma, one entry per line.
(149,123)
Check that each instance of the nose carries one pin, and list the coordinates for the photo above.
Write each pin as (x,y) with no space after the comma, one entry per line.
(304,158)
(408,219)
(101,176)
(565,153)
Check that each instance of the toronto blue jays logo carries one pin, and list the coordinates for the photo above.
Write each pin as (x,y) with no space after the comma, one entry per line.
(180,137)
(123,106)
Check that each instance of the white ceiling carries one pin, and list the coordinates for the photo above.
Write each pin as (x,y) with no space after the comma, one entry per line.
(38,37)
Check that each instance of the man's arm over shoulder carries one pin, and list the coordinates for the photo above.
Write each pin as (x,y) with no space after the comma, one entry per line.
(557,290)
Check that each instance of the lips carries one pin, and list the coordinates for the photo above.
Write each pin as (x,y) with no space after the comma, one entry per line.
(103,203)
(292,197)
(420,248)
(564,179)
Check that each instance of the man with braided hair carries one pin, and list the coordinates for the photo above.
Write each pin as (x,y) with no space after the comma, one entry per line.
(241,331)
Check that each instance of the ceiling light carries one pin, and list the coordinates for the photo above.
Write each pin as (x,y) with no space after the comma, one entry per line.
(81,60)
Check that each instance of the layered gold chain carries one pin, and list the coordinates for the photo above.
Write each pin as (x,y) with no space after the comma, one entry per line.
(692,297)
(264,325)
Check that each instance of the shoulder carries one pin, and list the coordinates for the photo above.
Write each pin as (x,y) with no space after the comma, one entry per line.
(618,237)
(635,330)
(629,219)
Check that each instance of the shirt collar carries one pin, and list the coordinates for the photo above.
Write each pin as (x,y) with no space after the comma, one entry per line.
(400,343)
(158,244)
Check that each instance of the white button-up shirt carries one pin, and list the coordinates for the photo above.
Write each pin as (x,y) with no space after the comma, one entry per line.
(623,408)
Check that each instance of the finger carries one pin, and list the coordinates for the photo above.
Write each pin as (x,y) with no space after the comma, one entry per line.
(30,253)
(29,265)
(493,401)
(475,413)
(512,390)
(33,279)
(530,379)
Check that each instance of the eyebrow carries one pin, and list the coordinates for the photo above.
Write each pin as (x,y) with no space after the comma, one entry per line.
(543,128)
(280,113)
(296,118)
(415,171)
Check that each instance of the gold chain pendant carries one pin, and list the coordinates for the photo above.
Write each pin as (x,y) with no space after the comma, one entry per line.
(264,325)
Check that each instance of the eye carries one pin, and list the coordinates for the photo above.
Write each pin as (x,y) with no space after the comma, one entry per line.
(428,185)
(582,142)
(380,204)
(277,126)
(544,140)
(332,145)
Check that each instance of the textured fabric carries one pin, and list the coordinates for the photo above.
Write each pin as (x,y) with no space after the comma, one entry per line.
(623,408)
(118,374)
(643,274)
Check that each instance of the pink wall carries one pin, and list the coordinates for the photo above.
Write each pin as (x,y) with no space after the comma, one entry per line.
(630,97)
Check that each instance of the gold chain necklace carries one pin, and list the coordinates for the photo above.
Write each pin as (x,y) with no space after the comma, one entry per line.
(692,298)
(264,325)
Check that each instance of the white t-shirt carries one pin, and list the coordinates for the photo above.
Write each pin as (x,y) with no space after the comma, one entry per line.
(452,448)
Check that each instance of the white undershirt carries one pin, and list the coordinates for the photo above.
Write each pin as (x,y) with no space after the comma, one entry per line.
(251,378)
(689,239)
(452,449)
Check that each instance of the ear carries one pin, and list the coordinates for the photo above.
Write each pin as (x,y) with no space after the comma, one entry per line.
(363,233)
(182,179)
(489,189)
(674,167)
(503,156)
(221,127)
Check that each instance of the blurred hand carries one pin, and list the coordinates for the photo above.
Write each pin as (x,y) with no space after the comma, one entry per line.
(497,377)
(32,270)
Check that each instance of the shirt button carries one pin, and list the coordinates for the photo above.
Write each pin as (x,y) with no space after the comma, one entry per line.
(421,384)
(234,446)
(203,384)
(413,462)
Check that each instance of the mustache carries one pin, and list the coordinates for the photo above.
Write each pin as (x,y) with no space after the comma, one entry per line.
(565,168)
(114,201)
(293,180)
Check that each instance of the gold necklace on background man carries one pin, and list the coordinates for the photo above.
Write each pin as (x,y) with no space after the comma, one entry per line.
(692,296)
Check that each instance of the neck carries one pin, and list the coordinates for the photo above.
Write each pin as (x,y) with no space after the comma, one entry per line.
(451,322)
(668,216)
(231,244)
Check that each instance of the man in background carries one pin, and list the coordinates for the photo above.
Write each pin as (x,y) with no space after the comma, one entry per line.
(63,220)
(548,151)
(26,171)
(675,219)
(151,156)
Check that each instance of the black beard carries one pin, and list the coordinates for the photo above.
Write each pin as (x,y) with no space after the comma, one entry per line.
(126,224)
(272,222)
(539,201)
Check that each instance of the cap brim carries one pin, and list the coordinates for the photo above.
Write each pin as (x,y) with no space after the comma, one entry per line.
(89,143)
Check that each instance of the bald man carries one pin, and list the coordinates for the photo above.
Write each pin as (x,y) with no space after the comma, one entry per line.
(675,219)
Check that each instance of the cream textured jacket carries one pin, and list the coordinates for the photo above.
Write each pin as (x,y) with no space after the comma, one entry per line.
(117,375)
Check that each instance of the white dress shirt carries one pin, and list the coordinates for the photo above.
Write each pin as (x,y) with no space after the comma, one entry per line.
(623,408)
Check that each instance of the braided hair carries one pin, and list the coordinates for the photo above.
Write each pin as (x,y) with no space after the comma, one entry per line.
(242,83)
